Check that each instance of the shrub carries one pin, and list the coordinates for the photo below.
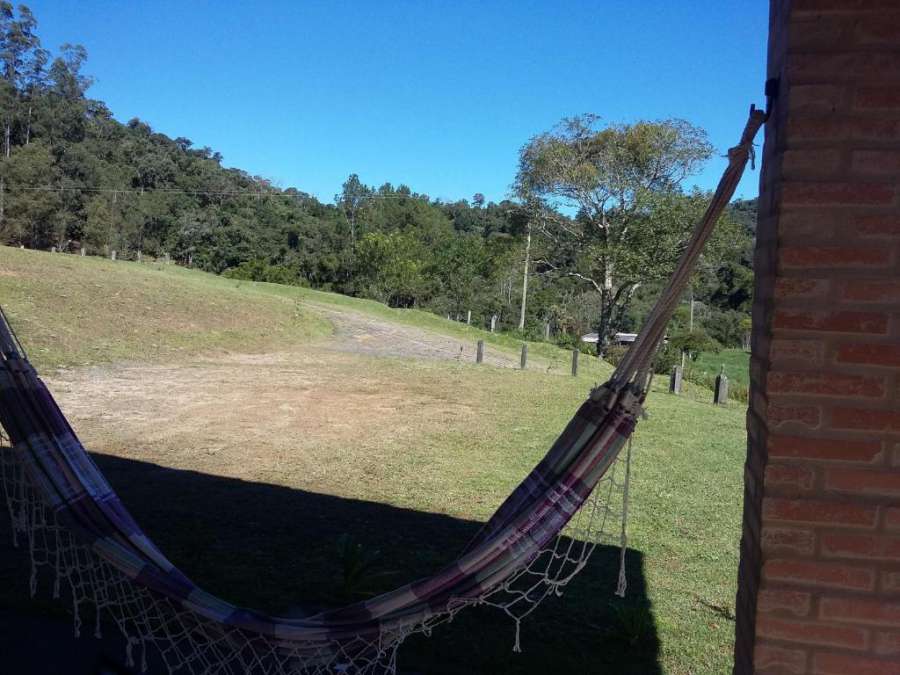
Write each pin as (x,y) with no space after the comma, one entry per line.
(666,358)
(614,354)
(694,343)
(259,270)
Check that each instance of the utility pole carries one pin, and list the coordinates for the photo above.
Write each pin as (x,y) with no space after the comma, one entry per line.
(525,277)
(690,324)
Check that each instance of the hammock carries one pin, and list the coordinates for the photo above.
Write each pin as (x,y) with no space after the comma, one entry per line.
(75,524)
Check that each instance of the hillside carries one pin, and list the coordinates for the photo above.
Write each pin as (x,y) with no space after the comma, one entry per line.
(217,403)
(73,176)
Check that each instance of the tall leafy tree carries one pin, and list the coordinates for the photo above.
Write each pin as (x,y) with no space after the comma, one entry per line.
(351,200)
(622,182)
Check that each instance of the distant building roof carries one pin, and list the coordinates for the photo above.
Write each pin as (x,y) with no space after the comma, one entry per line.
(620,338)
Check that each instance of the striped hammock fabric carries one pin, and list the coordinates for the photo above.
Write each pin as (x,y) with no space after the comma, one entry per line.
(76,524)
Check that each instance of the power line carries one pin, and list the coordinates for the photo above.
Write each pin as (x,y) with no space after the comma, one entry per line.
(212,193)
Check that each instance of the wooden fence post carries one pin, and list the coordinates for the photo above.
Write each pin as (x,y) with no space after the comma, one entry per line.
(493,322)
(675,380)
(112,255)
(720,393)
(479,352)
(524,358)
(575,353)
(547,331)
(139,256)
(469,318)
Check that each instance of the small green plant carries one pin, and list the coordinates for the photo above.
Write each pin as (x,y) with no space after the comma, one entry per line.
(359,568)
(631,625)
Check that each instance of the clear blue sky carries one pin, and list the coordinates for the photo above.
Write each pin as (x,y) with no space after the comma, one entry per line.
(437,95)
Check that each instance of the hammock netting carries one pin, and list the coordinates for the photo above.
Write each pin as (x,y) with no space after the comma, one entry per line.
(64,512)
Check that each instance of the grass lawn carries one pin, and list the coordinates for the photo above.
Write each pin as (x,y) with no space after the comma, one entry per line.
(407,457)
(736,362)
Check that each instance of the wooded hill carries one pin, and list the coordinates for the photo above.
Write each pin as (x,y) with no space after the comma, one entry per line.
(72,176)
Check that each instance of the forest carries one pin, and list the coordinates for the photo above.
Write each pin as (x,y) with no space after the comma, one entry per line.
(595,218)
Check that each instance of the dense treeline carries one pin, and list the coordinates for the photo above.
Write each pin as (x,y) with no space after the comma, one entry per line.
(72,176)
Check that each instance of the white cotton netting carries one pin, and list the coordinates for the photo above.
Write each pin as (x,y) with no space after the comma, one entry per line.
(185,642)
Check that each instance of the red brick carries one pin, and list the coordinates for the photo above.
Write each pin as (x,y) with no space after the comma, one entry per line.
(829,257)
(800,288)
(824,67)
(824,449)
(790,478)
(808,351)
(837,194)
(829,635)
(876,612)
(890,582)
(843,664)
(815,128)
(806,224)
(871,290)
(859,546)
(809,162)
(816,98)
(876,162)
(812,8)
(874,129)
(825,384)
(892,518)
(862,418)
(881,31)
(787,539)
(870,354)
(838,322)
(807,35)
(770,659)
(878,98)
(820,574)
(833,513)
(881,483)
(881,225)
(791,602)
(806,415)
(887,643)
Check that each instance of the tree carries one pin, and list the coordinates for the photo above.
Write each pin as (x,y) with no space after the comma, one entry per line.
(391,266)
(622,182)
(351,200)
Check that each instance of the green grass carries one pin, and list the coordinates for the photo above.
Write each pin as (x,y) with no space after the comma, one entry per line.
(413,497)
(736,362)
(82,311)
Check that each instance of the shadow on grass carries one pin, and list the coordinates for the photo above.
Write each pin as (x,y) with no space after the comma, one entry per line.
(291,552)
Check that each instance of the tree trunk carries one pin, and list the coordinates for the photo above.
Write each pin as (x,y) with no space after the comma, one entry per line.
(525,279)
(612,313)
(603,326)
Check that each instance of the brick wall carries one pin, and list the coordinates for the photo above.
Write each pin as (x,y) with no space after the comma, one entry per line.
(819,581)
